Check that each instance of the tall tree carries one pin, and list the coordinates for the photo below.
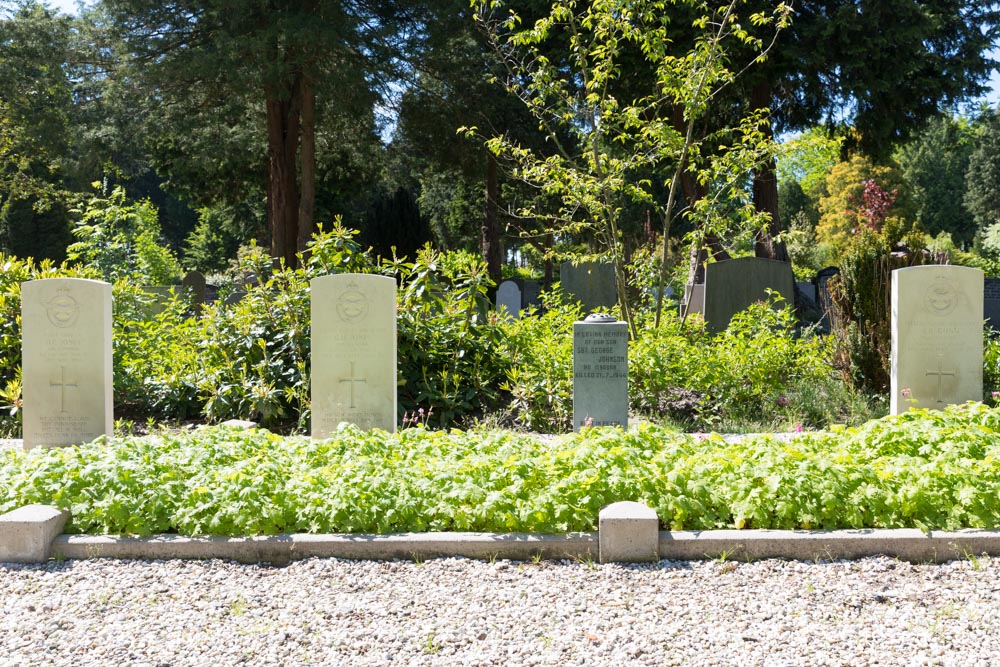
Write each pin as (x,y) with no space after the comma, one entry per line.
(934,164)
(35,116)
(982,195)
(274,61)
(882,67)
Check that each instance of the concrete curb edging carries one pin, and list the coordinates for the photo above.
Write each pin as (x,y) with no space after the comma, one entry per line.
(286,547)
(744,545)
(31,534)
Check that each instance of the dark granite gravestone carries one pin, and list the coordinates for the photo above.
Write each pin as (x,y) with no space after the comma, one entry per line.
(733,285)
(591,283)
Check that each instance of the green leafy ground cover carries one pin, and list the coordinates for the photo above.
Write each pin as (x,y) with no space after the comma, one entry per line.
(924,469)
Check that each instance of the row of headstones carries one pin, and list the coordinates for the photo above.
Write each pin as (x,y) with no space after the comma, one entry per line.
(937,353)
(729,288)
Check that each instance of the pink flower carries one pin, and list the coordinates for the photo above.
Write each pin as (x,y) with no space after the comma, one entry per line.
(905,392)
(798,428)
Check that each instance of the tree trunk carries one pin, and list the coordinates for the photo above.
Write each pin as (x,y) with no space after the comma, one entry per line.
(765,190)
(282,195)
(307,168)
(491,226)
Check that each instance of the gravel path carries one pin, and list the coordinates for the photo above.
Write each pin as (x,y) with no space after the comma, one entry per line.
(875,611)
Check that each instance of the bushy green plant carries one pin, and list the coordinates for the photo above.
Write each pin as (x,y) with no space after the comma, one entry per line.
(122,240)
(540,377)
(861,295)
(924,469)
(449,344)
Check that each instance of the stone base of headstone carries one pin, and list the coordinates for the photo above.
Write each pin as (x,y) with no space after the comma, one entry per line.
(629,532)
(26,533)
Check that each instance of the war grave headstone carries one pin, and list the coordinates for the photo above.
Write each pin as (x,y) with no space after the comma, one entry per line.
(591,283)
(937,337)
(600,372)
(991,302)
(66,361)
(353,320)
(733,285)
(509,299)
(807,289)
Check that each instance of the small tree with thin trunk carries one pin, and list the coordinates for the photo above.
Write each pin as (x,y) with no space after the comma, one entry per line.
(567,67)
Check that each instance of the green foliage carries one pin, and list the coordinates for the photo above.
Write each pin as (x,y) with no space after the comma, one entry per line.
(757,371)
(214,240)
(122,240)
(923,469)
(982,193)
(934,165)
(861,295)
(540,378)
(449,345)
(569,67)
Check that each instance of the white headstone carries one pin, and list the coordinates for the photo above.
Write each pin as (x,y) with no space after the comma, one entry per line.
(353,352)
(600,372)
(66,361)
(937,337)
(509,299)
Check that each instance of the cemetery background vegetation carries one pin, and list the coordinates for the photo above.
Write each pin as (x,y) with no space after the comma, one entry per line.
(924,469)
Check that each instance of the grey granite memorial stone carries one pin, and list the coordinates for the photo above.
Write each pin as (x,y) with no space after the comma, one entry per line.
(353,352)
(600,372)
(824,300)
(991,303)
(694,299)
(733,285)
(591,283)
(937,337)
(66,361)
(196,286)
(509,299)
(531,291)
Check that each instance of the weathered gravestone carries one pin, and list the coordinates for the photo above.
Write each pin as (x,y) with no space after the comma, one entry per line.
(733,285)
(353,352)
(694,299)
(66,361)
(937,337)
(991,302)
(531,292)
(824,299)
(509,299)
(600,372)
(591,283)
(197,288)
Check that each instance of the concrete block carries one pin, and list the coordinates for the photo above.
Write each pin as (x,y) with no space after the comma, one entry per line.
(26,533)
(629,533)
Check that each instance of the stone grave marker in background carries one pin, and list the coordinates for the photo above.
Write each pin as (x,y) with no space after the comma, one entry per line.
(991,302)
(694,299)
(509,299)
(600,372)
(531,291)
(937,337)
(733,285)
(196,287)
(591,283)
(824,300)
(353,352)
(66,361)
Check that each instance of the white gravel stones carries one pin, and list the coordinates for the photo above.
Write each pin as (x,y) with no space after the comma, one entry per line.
(460,612)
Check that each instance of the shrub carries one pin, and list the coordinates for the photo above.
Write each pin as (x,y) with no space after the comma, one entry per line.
(540,378)
(122,240)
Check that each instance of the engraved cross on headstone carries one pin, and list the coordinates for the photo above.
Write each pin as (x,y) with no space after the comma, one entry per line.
(62,384)
(940,376)
(353,380)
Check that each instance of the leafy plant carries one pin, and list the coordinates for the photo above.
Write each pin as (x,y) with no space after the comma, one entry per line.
(923,469)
